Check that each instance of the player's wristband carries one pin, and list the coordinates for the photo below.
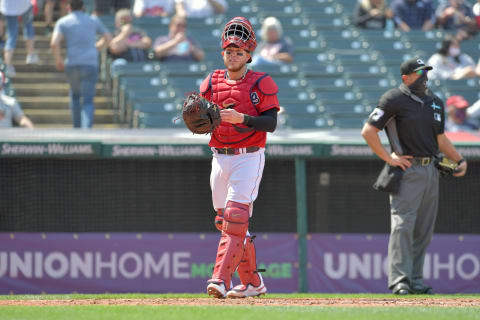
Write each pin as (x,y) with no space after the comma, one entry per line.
(246,118)
(461,161)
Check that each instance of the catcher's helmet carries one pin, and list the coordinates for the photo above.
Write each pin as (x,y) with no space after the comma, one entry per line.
(239,32)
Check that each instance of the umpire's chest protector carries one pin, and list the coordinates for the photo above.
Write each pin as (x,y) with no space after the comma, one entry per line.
(238,95)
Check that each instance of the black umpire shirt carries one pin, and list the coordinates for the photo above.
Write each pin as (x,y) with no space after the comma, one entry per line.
(417,121)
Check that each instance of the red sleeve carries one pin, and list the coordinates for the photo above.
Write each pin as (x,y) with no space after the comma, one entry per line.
(266,102)
(205,88)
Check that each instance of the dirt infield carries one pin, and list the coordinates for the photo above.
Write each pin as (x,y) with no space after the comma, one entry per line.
(321,302)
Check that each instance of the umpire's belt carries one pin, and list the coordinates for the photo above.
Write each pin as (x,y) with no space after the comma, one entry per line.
(234,151)
(421,161)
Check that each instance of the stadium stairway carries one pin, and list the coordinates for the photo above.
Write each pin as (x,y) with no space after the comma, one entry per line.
(43,92)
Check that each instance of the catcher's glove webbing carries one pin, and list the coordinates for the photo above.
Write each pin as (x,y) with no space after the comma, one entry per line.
(446,166)
(200,115)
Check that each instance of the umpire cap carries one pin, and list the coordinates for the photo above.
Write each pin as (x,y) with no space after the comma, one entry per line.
(412,65)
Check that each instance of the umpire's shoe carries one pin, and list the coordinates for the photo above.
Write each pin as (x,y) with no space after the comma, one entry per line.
(402,288)
(242,291)
(421,289)
(216,289)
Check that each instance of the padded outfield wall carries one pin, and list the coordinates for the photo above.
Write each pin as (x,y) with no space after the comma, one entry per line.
(158,181)
(130,211)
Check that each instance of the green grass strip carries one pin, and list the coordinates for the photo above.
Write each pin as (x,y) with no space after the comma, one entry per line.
(234,312)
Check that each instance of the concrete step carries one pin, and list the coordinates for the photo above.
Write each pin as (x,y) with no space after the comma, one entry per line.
(106,126)
(53,102)
(64,116)
(39,77)
(40,42)
(52,89)
(20,66)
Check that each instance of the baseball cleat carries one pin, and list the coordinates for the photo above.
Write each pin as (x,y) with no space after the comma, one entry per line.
(217,290)
(242,291)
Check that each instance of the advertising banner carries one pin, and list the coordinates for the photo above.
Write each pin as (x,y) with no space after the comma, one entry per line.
(33,263)
(359,263)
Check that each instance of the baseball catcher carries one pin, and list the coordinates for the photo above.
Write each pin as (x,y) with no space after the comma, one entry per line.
(200,115)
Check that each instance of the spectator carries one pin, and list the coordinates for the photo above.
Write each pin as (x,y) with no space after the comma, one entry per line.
(103,7)
(13,10)
(413,14)
(458,119)
(450,63)
(79,31)
(153,8)
(200,8)
(177,46)
(476,12)
(129,43)
(10,112)
(372,14)
(457,15)
(48,12)
(274,48)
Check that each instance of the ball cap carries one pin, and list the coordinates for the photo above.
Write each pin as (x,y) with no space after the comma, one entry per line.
(458,102)
(412,65)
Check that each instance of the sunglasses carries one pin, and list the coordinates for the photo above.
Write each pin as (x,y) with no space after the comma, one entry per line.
(421,72)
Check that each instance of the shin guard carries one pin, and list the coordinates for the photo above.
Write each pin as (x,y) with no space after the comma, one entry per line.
(247,269)
(230,248)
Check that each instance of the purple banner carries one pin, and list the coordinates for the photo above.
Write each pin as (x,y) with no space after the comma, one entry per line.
(96,263)
(358,263)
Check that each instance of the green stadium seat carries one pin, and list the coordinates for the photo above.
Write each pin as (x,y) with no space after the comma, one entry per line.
(320,84)
(307,122)
(349,122)
(157,120)
(167,108)
(380,35)
(379,81)
(345,110)
(471,47)
(283,70)
(321,69)
(340,97)
(301,108)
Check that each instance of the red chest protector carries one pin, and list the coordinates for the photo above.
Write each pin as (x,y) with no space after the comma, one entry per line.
(237,95)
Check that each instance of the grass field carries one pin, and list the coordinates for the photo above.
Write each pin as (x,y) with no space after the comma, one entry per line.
(273,306)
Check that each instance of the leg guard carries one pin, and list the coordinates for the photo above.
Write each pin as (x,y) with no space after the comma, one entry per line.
(230,248)
(247,269)
(219,219)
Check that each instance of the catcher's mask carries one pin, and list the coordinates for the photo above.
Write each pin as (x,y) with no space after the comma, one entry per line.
(239,32)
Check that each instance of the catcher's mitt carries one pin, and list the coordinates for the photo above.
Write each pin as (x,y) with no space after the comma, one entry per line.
(200,115)
(446,166)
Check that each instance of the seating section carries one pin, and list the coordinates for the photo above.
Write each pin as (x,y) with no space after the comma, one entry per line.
(337,77)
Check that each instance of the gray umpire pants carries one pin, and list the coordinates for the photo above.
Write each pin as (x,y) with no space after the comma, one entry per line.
(413,214)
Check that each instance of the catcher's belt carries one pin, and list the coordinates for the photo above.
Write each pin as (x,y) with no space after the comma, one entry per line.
(234,151)
(421,161)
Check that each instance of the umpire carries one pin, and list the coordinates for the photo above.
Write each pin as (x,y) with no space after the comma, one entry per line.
(414,120)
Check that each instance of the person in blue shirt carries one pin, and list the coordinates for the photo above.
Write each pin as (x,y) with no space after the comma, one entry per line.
(79,31)
(413,14)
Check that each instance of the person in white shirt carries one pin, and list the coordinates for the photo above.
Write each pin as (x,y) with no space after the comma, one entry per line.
(450,63)
(153,8)
(200,8)
(12,10)
(10,111)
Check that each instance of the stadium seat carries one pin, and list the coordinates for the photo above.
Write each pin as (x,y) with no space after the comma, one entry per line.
(346,110)
(157,120)
(348,122)
(329,84)
(307,122)
(168,108)
(301,108)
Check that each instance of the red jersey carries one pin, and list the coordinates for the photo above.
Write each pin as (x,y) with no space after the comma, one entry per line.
(252,95)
